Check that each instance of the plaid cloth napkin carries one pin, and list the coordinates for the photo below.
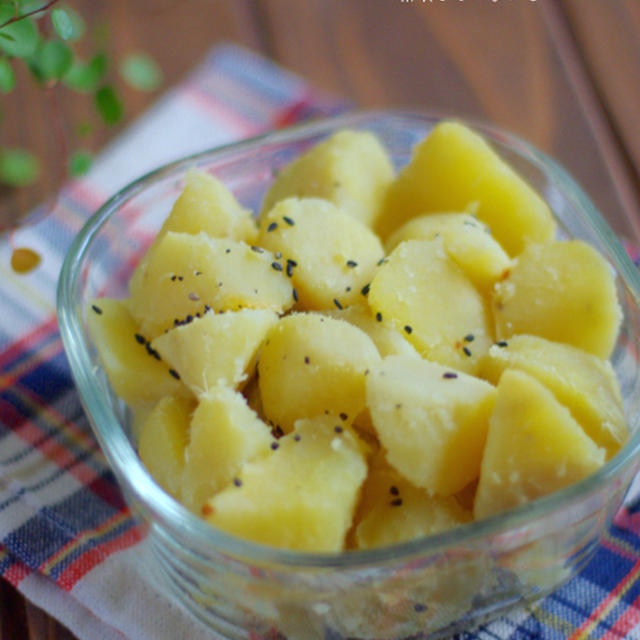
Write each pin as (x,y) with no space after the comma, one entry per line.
(67,540)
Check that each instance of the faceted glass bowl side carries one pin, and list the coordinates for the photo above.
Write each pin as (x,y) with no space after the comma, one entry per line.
(424,588)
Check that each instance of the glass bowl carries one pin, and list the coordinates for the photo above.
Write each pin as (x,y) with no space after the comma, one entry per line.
(429,587)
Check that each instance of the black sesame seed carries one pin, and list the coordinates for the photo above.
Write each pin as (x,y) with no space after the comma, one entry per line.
(306,360)
(365,290)
(466,351)
(381,261)
(293,263)
(237,482)
(469,337)
(338,429)
(288,220)
(379,317)
(396,502)
(419,608)
(207,308)
(393,490)
(343,416)
(227,251)
(347,289)
(96,309)
(197,273)
(408,328)
(502,343)
(352,264)
(295,294)
(273,226)
(174,278)
(449,375)
(257,249)
(275,445)
(297,437)
(277,266)
(174,373)
(140,339)
(151,351)
(180,278)
(337,303)
(277,255)
(289,269)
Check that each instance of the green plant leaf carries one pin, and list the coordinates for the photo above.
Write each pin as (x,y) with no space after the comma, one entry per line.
(7,11)
(85,77)
(55,59)
(109,105)
(141,72)
(68,24)
(25,38)
(18,167)
(79,163)
(7,77)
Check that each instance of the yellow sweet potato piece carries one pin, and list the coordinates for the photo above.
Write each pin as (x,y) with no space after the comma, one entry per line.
(584,383)
(393,510)
(388,340)
(205,204)
(562,291)
(534,447)
(467,241)
(329,255)
(300,496)
(351,169)
(134,370)
(163,438)
(432,421)
(216,348)
(187,274)
(311,365)
(225,433)
(453,168)
(424,294)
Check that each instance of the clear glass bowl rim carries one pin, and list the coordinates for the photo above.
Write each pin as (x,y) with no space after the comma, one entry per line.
(158,507)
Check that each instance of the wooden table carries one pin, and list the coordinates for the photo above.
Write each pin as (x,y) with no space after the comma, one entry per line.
(565,74)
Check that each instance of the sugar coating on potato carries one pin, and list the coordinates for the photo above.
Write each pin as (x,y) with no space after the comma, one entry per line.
(392,510)
(163,439)
(534,447)
(453,168)
(135,371)
(188,274)
(562,291)
(422,292)
(313,365)
(467,241)
(302,495)
(329,255)
(431,420)
(584,383)
(217,348)
(224,434)
(350,169)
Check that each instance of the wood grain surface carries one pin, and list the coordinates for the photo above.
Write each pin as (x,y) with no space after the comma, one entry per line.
(564,74)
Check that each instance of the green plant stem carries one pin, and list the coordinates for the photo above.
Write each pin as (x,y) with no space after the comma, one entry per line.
(44,7)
